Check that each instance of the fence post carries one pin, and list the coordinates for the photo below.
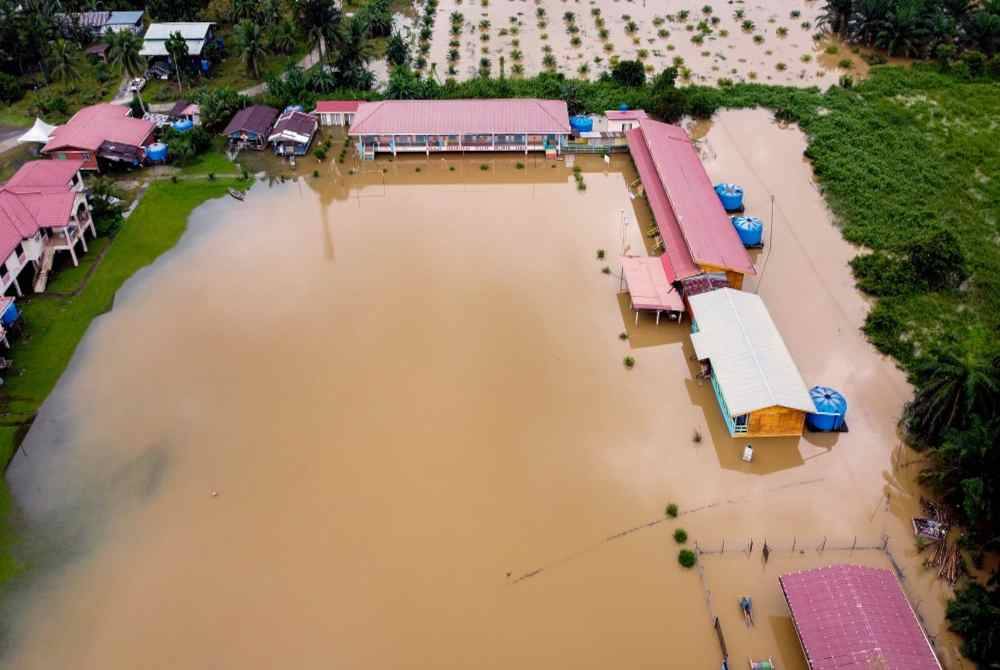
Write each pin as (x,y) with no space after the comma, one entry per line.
(855,543)
(794,539)
(750,548)
(823,546)
(723,550)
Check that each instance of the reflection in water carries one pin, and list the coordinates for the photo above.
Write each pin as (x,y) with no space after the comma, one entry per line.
(406,387)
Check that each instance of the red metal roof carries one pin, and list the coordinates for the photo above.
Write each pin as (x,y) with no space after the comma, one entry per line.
(649,285)
(848,616)
(625,115)
(336,106)
(455,117)
(707,230)
(45,174)
(676,257)
(92,126)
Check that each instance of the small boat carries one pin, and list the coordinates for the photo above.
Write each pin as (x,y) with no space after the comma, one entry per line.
(761,665)
(929,529)
(239,195)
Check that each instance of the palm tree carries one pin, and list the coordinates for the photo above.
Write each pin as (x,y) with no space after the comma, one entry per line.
(177,47)
(983,30)
(353,53)
(320,18)
(281,38)
(42,18)
(865,19)
(904,30)
(63,60)
(952,388)
(834,16)
(123,54)
(249,41)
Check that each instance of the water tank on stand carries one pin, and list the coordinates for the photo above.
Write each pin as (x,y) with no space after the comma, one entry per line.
(581,124)
(831,409)
(750,229)
(183,125)
(156,152)
(731,196)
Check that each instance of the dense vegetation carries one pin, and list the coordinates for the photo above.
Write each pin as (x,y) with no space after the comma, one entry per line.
(919,28)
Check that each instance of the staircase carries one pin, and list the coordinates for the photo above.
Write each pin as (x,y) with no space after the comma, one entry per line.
(43,274)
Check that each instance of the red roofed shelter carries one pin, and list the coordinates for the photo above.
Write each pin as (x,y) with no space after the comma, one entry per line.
(849,616)
(430,126)
(106,131)
(336,112)
(696,231)
(43,209)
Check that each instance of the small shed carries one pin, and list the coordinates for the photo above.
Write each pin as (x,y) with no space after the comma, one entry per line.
(250,127)
(757,385)
(650,288)
(130,21)
(850,616)
(292,133)
(622,121)
(185,111)
(336,112)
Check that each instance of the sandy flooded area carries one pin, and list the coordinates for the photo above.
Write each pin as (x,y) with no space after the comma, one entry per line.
(710,41)
(381,420)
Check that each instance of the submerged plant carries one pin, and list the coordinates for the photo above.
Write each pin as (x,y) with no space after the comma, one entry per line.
(687,558)
(629,362)
(680,536)
(484,167)
(671,510)
(623,335)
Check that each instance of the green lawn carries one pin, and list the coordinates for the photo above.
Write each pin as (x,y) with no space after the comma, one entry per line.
(212,162)
(53,326)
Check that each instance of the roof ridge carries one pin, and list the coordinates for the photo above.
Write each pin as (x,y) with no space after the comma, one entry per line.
(540,101)
(739,320)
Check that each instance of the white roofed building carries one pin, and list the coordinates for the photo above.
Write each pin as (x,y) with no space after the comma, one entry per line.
(757,384)
(195,34)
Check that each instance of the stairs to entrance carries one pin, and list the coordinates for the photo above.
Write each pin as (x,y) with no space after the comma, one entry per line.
(43,275)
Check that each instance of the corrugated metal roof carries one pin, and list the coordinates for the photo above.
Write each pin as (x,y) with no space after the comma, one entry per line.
(45,174)
(37,196)
(648,284)
(625,115)
(294,126)
(92,126)
(708,232)
(155,39)
(125,18)
(336,106)
(675,249)
(848,616)
(451,117)
(255,119)
(749,359)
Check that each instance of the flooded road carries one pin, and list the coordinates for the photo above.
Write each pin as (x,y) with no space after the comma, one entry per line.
(381,420)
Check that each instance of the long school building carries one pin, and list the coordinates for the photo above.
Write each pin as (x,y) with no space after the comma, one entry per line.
(696,231)
(757,385)
(433,126)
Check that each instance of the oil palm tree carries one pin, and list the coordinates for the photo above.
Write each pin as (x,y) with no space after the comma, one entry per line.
(353,51)
(177,47)
(281,38)
(250,43)
(865,19)
(320,18)
(904,30)
(983,30)
(834,16)
(123,54)
(63,60)
(951,389)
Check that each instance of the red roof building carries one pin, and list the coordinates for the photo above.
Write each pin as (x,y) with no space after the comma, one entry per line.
(336,112)
(696,231)
(43,209)
(107,131)
(848,616)
(518,124)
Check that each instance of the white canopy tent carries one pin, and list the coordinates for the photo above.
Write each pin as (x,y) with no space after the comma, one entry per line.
(41,132)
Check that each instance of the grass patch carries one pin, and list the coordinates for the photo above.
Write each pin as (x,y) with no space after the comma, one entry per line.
(53,325)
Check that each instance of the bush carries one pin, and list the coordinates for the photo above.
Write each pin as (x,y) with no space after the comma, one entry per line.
(671,510)
(973,614)
(629,361)
(320,153)
(687,558)
(629,73)
(10,89)
(184,147)
(680,536)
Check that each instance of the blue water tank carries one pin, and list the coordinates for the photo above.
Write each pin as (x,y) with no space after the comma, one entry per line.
(9,315)
(750,229)
(206,65)
(183,125)
(831,408)
(731,196)
(157,152)
(623,107)
(581,124)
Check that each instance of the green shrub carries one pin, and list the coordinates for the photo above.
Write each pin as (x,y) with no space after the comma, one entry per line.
(10,88)
(687,558)
(320,153)
(680,536)
(671,510)
(629,362)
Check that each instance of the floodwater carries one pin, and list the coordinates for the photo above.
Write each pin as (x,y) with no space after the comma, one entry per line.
(380,420)
(778,48)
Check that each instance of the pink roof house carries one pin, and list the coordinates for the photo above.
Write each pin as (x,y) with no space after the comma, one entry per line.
(697,233)
(336,112)
(43,209)
(104,130)
(518,124)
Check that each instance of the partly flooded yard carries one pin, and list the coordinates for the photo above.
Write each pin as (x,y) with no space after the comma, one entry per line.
(380,420)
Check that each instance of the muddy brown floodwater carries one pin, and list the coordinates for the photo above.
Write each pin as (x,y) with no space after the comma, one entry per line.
(382,421)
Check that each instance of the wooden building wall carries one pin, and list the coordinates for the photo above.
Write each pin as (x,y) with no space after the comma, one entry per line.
(735,279)
(776,421)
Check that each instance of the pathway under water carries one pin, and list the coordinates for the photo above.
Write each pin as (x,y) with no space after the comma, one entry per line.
(406,388)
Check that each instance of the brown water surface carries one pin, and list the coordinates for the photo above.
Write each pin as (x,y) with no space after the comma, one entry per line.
(381,421)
